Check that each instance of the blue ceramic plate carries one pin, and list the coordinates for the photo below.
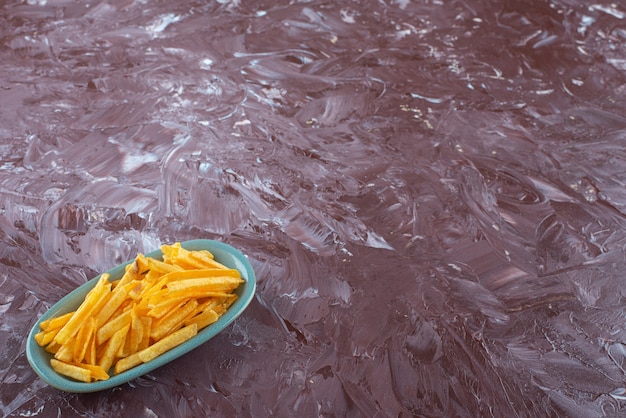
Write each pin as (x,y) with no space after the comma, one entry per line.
(39,358)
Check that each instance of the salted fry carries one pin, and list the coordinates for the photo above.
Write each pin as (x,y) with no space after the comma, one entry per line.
(206,284)
(65,352)
(186,275)
(127,363)
(165,307)
(156,305)
(167,343)
(172,321)
(110,328)
(53,347)
(97,372)
(203,319)
(112,347)
(71,370)
(90,355)
(44,338)
(118,296)
(85,310)
(81,345)
(136,332)
(160,266)
(206,259)
(146,323)
(195,294)
(132,272)
(56,322)
(193,259)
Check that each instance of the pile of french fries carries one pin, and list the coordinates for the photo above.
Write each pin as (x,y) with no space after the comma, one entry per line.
(154,307)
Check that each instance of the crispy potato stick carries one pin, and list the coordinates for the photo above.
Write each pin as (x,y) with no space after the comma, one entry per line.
(110,328)
(90,355)
(203,319)
(145,337)
(224,304)
(167,343)
(65,352)
(196,294)
(206,284)
(132,272)
(112,347)
(71,370)
(118,296)
(170,251)
(136,288)
(206,259)
(172,321)
(97,372)
(156,349)
(84,310)
(53,347)
(193,259)
(160,266)
(187,274)
(166,306)
(81,344)
(56,322)
(44,338)
(127,363)
(136,333)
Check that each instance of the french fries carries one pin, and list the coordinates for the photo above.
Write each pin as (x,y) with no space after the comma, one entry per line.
(155,306)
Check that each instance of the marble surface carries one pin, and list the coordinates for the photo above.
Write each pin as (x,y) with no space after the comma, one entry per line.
(431,194)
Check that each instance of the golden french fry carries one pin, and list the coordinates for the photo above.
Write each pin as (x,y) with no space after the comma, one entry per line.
(195,294)
(203,319)
(167,343)
(97,372)
(81,344)
(154,298)
(206,259)
(84,310)
(176,276)
(44,338)
(65,352)
(160,266)
(124,349)
(206,284)
(136,333)
(165,307)
(112,347)
(90,355)
(118,296)
(53,347)
(170,251)
(71,370)
(202,254)
(172,321)
(39,338)
(192,259)
(56,322)
(224,304)
(136,288)
(146,323)
(229,301)
(110,328)
(132,272)
(127,363)
(140,263)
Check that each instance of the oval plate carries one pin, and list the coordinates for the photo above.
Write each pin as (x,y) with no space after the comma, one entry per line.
(39,358)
